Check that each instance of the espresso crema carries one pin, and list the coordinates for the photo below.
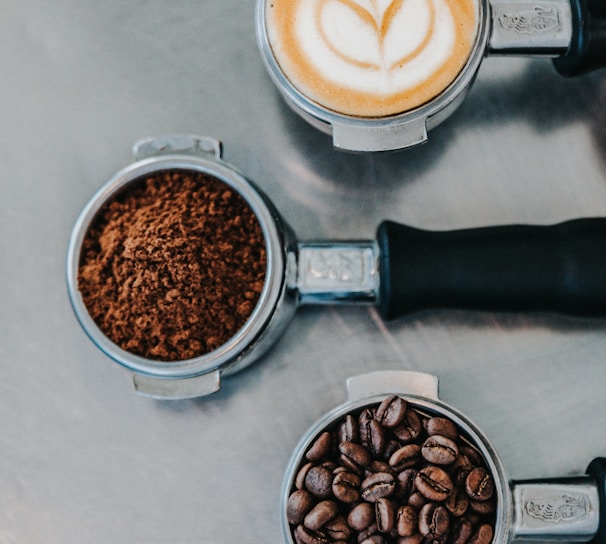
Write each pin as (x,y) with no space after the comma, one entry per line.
(371,58)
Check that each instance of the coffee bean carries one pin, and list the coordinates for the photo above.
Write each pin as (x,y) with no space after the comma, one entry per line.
(377,438)
(374,539)
(391,411)
(376,486)
(318,482)
(417,538)
(462,532)
(457,502)
(479,485)
(483,507)
(406,457)
(405,482)
(442,426)
(320,448)
(346,487)
(348,430)
(433,483)
(434,521)
(406,521)
(302,474)
(483,535)
(439,450)
(410,427)
(364,419)
(320,515)
(417,501)
(385,514)
(338,529)
(354,456)
(361,516)
(300,502)
(303,535)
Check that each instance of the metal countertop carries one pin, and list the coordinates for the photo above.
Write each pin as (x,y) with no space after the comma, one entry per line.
(83,459)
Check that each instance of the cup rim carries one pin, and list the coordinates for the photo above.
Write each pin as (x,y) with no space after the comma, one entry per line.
(323,118)
(436,406)
(235,353)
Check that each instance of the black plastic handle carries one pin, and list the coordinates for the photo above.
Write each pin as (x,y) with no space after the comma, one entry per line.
(597,469)
(559,268)
(588,47)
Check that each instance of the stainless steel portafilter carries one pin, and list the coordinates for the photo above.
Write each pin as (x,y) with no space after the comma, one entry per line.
(569,509)
(512,268)
(571,32)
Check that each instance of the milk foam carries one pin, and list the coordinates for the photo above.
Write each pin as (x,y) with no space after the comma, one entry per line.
(371,57)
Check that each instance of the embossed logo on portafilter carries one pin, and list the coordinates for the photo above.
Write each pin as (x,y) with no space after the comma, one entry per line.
(371,58)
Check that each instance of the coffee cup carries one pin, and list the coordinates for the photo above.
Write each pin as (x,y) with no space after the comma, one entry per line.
(331,492)
(378,74)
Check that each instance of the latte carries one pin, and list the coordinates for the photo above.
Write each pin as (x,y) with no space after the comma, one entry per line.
(371,58)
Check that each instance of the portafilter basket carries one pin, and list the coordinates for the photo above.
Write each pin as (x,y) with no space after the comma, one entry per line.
(568,509)
(571,32)
(512,268)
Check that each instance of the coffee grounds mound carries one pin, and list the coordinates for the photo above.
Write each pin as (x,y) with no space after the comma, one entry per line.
(172,267)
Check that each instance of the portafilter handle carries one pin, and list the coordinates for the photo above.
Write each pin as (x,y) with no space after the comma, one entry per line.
(559,268)
(588,46)
(565,509)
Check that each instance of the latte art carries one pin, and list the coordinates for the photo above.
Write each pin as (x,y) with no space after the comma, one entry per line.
(371,58)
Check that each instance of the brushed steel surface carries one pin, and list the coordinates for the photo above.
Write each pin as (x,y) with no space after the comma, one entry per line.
(82,457)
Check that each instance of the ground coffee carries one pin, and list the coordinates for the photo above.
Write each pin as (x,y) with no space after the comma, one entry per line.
(172,267)
(390,473)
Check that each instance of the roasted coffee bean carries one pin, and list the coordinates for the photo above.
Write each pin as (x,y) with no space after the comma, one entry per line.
(348,430)
(320,448)
(374,539)
(364,419)
(483,535)
(417,501)
(338,529)
(376,486)
(354,456)
(299,504)
(320,515)
(377,466)
(361,516)
(385,514)
(406,521)
(377,438)
(302,474)
(483,507)
(346,487)
(434,521)
(303,535)
(390,448)
(391,411)
(318,481)
(417,538)
(479,484)
(462,532)
(406,457)
(439,450)
(369,532)
(457,502)
(433,483)
(442,426)
(410,427)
